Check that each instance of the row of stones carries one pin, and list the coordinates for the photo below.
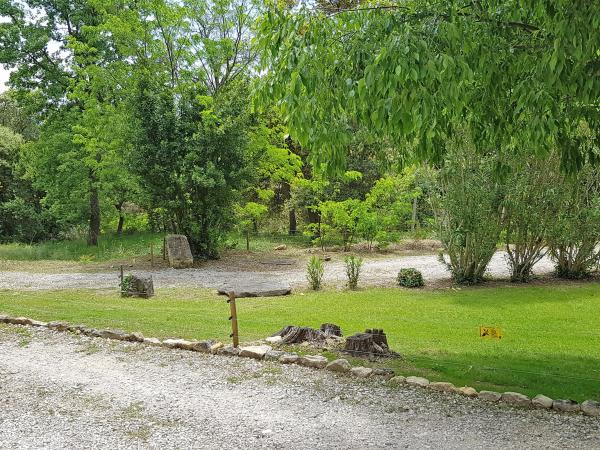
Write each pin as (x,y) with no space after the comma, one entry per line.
(266,352)
(589,407)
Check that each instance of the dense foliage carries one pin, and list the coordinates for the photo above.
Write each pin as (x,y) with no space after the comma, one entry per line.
(516,74)
(352,122)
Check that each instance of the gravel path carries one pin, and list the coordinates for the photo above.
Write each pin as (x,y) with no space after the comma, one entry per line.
(378,272)
(65,391)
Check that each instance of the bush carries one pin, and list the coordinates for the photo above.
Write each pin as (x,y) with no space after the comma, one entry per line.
(314,273)
(410,278)
(353,266)
(467,208)
(574,236)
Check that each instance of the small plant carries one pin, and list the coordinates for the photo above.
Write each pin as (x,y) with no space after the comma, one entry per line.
(410,278)
(314,272)
(353,266)
(126,285)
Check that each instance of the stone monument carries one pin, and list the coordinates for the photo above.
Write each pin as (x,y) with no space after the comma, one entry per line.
(178,251)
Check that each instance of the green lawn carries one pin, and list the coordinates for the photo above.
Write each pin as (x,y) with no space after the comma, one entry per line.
(551,341)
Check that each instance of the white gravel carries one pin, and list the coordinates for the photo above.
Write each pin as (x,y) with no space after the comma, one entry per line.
(64,391)
(379,272)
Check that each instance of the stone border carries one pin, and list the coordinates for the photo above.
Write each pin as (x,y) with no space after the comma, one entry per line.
(267,353)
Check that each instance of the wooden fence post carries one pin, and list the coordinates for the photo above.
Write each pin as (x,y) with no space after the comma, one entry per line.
(233,318)
(165,248)
(151,254)
(121,277)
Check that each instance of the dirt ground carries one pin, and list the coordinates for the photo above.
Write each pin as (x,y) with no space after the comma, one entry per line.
(64,391)
(378,270)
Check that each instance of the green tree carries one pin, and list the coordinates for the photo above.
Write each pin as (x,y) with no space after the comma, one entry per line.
(515,74)
(468,210)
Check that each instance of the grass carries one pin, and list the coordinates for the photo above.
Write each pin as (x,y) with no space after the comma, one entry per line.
(551,342)
(110,247)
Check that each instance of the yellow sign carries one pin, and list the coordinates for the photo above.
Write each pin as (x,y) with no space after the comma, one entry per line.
(490,332)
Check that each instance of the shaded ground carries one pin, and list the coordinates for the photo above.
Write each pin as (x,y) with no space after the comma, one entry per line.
(377,271)
(63,391)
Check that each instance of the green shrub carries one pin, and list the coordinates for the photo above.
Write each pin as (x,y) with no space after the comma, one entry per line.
(314,272)
(353,266)
(410,278)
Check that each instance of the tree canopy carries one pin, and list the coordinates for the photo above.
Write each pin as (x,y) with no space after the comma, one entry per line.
(517,73)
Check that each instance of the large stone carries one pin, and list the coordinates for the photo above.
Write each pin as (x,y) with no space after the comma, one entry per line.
(179,252)
(316,361)
(255,351)
(468,391)
(202,346)
(140,286)
(541,401)
(441,386)
(274,355)
(4,318)
(591,408)
(339,365)
(490,396)
(214,349)
(20,321)
(361,372)
(274,339)
(566,405)
(385,373)
(229,350)
(417,381)
(397,380)
(178,343)
(152,341)
(58,325)
(256,288)
(516,399)
(289,358)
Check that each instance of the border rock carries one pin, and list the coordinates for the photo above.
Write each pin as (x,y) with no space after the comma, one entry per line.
(442,386)
(361,372)
(314,361)
(566,406)
(339,365)
(516,399)
(254,351)
(397,380)
(591,408)
(542,402)
(490,396)
(289,358)
(468,391)
(417,381)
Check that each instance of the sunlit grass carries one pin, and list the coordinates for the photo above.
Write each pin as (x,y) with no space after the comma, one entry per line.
(551,341)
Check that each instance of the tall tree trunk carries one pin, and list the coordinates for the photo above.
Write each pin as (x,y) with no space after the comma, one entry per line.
(414,215)
(293,223)
(119,207)
(94,231)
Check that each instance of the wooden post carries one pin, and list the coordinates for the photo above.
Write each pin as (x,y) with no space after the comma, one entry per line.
(165,248)
(233,318)
(121,278)
(151,254)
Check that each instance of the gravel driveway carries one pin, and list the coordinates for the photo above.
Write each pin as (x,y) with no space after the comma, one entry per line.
(64,391)
(378,272)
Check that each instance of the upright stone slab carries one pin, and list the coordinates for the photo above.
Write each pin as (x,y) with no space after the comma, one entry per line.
(178,252)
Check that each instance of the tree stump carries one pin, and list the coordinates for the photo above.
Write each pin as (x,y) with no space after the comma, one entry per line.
(369,343)
(296,335)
